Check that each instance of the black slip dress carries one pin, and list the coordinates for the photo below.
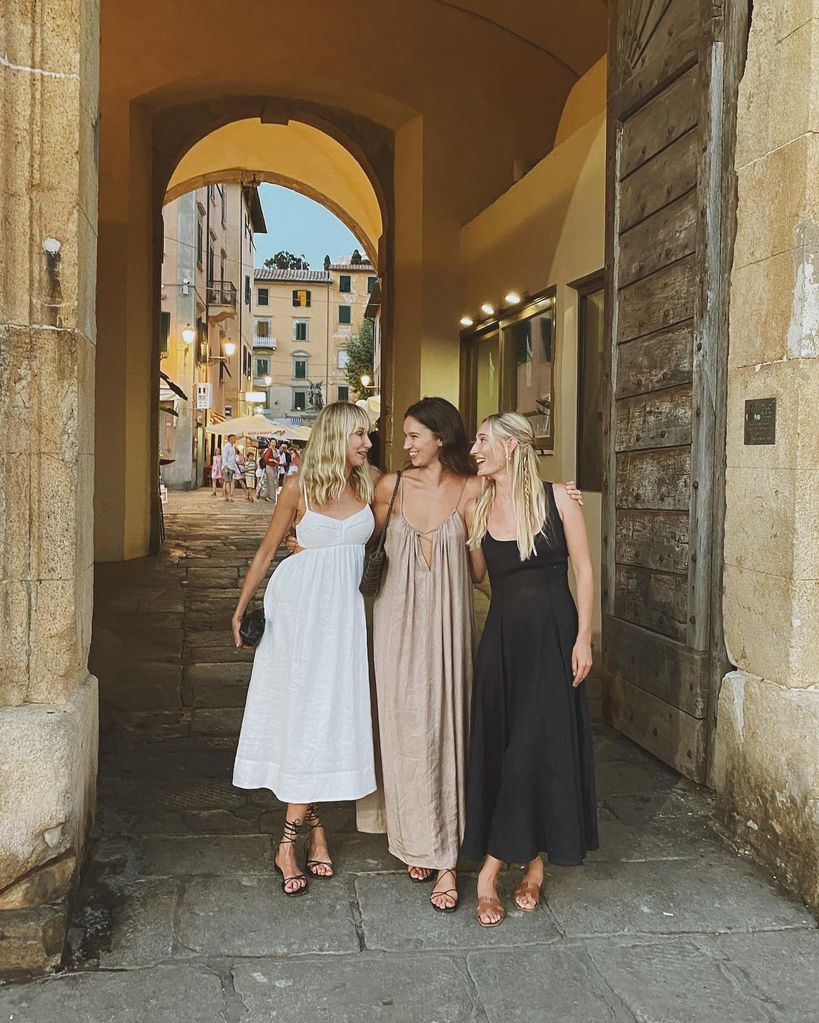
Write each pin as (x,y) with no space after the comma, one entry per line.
(530,778)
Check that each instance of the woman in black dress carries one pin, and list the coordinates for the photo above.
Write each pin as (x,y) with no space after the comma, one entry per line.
(530,778)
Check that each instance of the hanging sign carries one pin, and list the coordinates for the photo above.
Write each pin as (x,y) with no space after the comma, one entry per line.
(204,395)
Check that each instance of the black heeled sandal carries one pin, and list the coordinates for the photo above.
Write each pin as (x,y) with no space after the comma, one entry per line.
(447,891)
(291,833)
(313,822)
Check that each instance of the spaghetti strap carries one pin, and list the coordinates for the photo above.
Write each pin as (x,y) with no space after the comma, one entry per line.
(306,500)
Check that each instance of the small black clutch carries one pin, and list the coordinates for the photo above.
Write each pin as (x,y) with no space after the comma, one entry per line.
(252,627)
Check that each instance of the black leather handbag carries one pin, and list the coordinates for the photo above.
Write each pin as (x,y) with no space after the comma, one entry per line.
(252,627)
(376,562)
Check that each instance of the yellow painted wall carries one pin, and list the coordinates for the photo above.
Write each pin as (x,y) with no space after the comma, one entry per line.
(548,230)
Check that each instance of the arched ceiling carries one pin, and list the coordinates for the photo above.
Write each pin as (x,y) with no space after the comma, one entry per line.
(488,77)
(294,154)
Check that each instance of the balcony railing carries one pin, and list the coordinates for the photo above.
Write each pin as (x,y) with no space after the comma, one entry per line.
(265,342)
(221,293)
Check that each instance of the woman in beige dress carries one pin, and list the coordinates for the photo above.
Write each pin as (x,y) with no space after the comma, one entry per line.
(423,640)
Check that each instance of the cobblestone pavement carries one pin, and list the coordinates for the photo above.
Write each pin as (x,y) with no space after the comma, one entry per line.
(182,919)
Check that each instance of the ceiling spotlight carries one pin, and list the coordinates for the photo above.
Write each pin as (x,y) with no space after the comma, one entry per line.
(488,309)
(512,298)
(467,321)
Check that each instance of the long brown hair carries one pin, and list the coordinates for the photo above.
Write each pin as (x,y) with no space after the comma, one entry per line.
(444,420)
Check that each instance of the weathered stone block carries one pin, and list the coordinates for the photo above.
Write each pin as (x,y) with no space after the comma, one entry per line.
(41,887)
(31,940)
(766,774)
(779,107)
(777,193)
(793,383)
(42,35)
(226,721)
(15,612)
(47,777)
(759,316)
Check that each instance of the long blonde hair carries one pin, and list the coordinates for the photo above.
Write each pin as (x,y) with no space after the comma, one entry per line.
(528,497)
(323,469)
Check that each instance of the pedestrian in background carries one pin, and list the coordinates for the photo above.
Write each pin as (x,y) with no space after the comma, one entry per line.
(230,467)
(215,470)
(284,461)
(270,458)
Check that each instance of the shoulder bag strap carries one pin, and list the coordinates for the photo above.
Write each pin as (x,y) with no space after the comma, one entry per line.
(383,538)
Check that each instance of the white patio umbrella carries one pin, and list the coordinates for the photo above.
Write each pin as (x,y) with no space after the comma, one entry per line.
(372,406)
(301,433)
(247,426)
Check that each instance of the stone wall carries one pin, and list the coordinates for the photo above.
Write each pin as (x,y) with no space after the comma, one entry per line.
(767,749)
(48,243)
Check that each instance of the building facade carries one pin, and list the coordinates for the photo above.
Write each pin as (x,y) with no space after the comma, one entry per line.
(206,340)
(302,321)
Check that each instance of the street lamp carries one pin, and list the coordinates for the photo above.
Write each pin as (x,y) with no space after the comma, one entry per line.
(228,348)
(189,334)
(268,381)
(366,379)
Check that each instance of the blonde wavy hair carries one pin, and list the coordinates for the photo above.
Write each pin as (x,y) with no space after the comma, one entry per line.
(324,471)
(528,494)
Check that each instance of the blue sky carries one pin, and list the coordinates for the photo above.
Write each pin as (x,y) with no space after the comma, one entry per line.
(301,225)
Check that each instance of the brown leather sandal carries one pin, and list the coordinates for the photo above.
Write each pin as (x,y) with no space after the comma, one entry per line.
(487,903)
(446,891)
(313,822)
(527,888)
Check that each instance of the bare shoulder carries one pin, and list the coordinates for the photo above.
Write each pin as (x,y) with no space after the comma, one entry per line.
(291,490)
(375,475)
(384,485)
(474,486)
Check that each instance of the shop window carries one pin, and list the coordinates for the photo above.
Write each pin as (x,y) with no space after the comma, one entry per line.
(263,296)
(345,283)
(301,298)
(590,391)
(509,364)
(345,314)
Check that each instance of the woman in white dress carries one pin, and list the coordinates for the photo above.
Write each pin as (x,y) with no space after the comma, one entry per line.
(306,732)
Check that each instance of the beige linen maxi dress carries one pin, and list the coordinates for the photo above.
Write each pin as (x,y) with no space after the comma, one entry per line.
(424,639)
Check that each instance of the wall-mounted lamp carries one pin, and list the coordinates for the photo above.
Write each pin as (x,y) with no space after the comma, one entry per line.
(268,381)
(228,348)
(366,379)
(189,334)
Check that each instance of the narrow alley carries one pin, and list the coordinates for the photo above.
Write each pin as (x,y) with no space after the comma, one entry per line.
(182,918)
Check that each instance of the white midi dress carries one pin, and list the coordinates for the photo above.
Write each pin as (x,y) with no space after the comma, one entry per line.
(307,732)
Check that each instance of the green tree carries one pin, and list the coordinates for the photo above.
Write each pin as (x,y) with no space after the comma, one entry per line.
(285,260)
(360,351)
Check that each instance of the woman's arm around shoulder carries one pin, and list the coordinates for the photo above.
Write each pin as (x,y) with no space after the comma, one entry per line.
(287,508)
(577,541)
(478,565)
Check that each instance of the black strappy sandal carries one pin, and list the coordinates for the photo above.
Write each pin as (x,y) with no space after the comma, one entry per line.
(291,833)
(446,891)
(313,822)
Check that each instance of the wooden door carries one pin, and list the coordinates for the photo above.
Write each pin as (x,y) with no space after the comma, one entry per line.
(674,66)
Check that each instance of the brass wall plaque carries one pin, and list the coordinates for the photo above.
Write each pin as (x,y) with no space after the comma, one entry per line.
(760,421)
